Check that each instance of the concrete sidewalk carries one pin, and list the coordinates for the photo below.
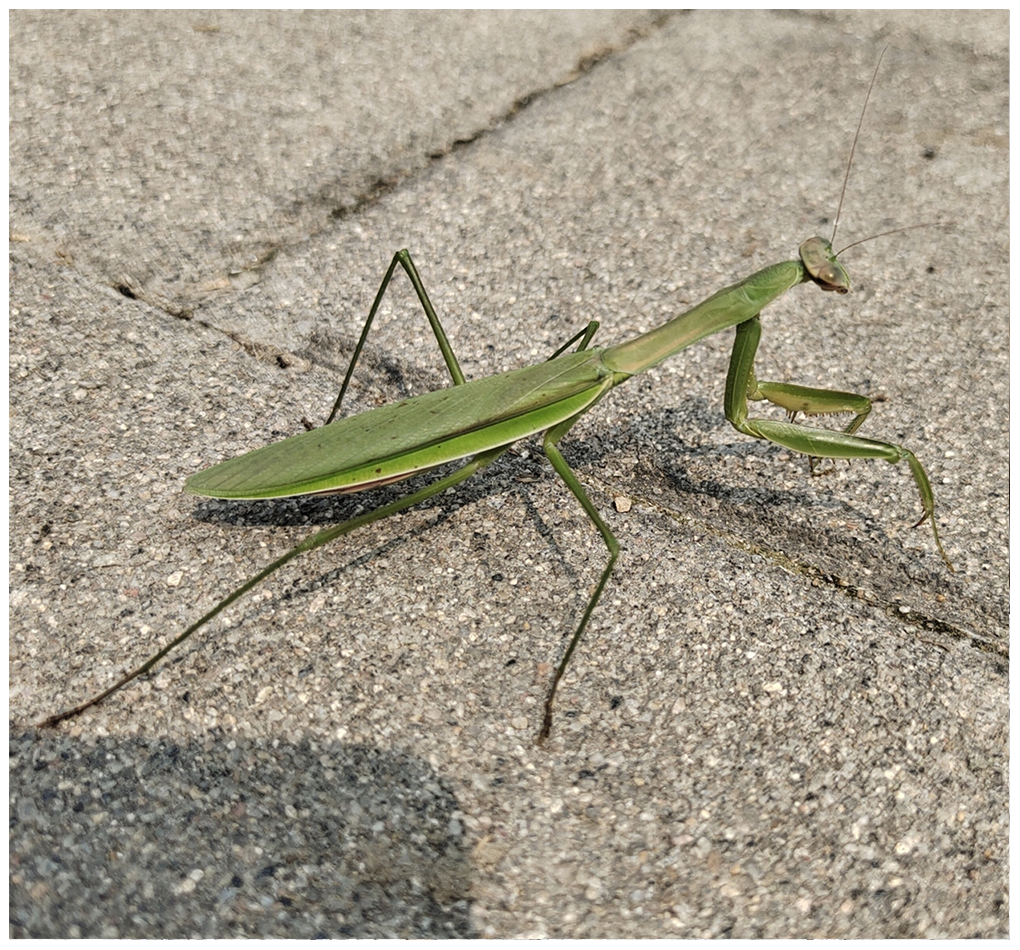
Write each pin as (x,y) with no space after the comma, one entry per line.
(787,718)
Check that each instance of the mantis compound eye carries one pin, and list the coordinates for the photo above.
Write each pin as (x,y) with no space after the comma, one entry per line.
(829,278)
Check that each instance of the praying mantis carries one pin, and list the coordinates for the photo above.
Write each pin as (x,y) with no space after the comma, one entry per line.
(479,420)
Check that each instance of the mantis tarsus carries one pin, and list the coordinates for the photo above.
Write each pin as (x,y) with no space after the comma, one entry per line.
(481,419)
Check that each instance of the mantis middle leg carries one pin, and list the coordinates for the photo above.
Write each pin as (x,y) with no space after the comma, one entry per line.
(570,479)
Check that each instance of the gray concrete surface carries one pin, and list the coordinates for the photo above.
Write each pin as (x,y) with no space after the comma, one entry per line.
(787,719)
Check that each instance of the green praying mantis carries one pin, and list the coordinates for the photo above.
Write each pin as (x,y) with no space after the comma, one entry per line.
(479,420)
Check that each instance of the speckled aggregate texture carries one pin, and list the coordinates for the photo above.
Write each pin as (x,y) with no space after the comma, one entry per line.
(233,838)
(787,718)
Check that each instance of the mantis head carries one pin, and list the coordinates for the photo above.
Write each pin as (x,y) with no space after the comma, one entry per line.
(822,266)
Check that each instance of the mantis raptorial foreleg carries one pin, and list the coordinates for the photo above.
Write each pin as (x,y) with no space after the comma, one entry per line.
(811,401)
(742,385)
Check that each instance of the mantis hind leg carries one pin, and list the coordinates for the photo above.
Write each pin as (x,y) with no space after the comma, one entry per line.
(559,463)
(584,336)
(403,258)
(741,385)
(310,543)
